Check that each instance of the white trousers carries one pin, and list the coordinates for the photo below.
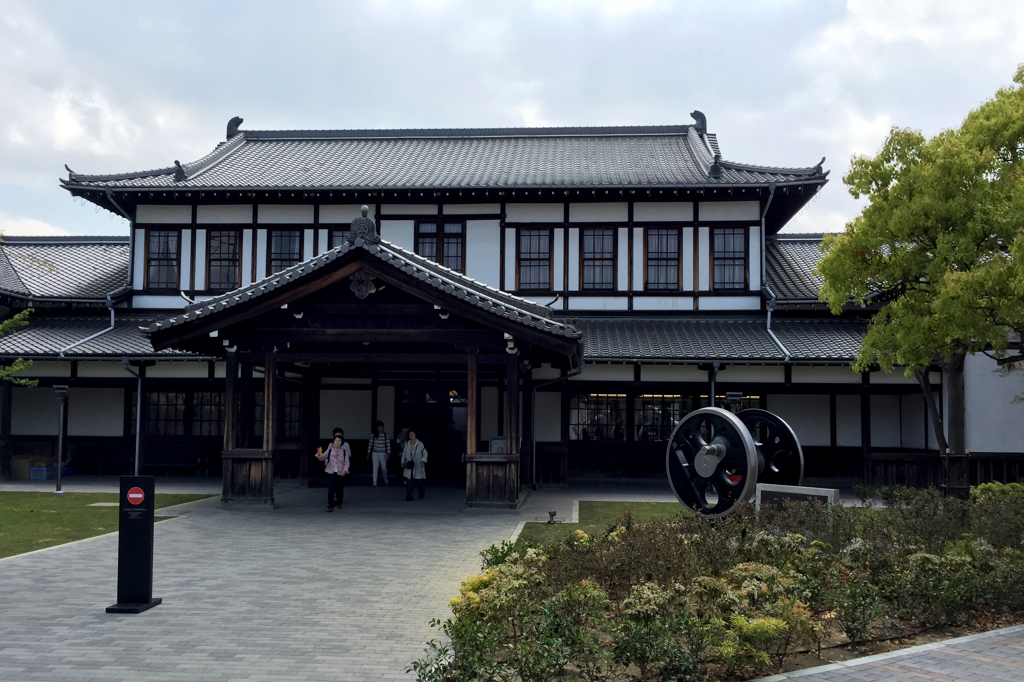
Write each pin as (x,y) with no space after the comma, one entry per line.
(380,462)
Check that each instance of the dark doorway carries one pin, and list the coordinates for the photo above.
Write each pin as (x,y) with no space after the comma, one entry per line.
(428,412)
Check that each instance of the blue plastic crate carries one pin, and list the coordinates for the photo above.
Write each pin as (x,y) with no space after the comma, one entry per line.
(42,473)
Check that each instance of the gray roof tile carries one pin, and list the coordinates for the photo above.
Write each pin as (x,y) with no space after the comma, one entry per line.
(45,336)
(789,266)
(820,339)
(659,156)
(63,268)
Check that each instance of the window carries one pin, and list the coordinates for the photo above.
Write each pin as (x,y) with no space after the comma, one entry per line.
(223,259)
(208,413)
(535,259)
(655,416)
(442,243)
(285,249)
(338,237)
(663,259)
(598,256)
(730,258)
(165,413)
(162,259)
(292,415)
(597,416)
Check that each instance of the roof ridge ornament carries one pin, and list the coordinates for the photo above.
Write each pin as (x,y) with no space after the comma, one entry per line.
(817,169)
(179,172)
(233,126)
(701,125)
(363,228)
(716,169)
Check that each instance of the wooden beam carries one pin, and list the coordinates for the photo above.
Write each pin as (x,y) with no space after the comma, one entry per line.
(269,401)
(388,360)
(231,402)
(270,337)
(471,395)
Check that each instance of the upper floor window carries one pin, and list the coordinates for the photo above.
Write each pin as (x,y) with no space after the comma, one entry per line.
(598,258)
(162,259)
(223,260)
(730,258)
(535,259)
(663,259)
(285,249)
(338,237)
(443,243)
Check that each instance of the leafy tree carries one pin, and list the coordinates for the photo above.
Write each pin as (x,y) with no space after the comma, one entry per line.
(939,247)
(9,326)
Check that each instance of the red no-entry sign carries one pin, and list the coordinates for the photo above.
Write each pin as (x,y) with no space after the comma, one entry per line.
(136,496)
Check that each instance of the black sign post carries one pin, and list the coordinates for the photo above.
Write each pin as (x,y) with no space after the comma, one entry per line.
(135,546)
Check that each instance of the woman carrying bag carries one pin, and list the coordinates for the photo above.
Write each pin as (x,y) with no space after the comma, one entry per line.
(336,461)
(414,456)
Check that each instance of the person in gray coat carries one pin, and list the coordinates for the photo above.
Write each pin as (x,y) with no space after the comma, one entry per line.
(414,457)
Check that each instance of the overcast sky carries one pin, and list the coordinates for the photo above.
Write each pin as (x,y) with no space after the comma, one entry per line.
(125,86)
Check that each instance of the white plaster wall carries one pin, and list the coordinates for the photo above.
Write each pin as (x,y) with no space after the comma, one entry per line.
(261,254)
(574,259)
(622,279)
(605,373)
(34,412)
(599,213)
(401,233)
(286,214)
(307,244)
(44,368)
(847,420)
(155,213)
(471,209)
(548,415)
(246,257)
(224,214)
(488,412)
(663,303)
(534,213)
(185,274)
(177,370)
(96,412)
(662,211)
(343,213)
(510,258)
(893,377)
(993,422)
(220,370)
(483,251)
(703,259)
(103,369)
(351,410)
(687,259)
(545,372)
(913,420)
(755,258)
(201,246)
(386,408)
(159,302)
(730,210)
(885,421)
(408,209)
(807,415)
(729,303)
(558,259)
(838,374)
(638,259)
(680,373)
(324,237)
(598,303)
(139,267)
(753,373)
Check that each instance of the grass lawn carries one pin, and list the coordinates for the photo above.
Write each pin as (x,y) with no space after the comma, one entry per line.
(596,517)
(30,520)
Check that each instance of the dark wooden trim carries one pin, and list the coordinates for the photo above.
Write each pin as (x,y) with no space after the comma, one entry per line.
(241,238)
(679,261)
(231,402)
(440,222)
(192,261)
(501,251)
(615,260)
(471,407)
(275,227)
(711,258)
(392,359)
(145,261)
(833,416)
(270,401)
(550,227)
(256,240)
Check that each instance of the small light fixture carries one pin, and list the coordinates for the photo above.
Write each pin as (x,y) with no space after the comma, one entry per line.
(443,314)
(551,516)
(215,333)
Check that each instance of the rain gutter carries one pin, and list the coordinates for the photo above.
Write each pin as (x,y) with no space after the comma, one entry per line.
(770,303)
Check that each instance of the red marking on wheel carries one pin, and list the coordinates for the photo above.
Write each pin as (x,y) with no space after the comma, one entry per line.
(136,496)
(733,478)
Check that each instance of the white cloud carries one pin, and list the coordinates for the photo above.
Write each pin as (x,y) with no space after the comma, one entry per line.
(28,227)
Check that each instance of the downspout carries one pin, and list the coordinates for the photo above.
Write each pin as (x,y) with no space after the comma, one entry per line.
(770,304)
(110,306)
(533,411)
(138,411)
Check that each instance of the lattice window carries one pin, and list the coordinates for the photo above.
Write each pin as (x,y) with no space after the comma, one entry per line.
(292,415)
(338,237)
(223,260)
(285,249)
(165,413)
(597,416)
(257,414)
(730,258)
(598,256)
(654,416)
(443,243)
(663,259)
(208,413)
(535,259)
(162,259)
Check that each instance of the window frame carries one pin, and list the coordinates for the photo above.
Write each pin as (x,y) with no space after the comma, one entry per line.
(745,284)
(177,260)
(209,259)
(270,247)
(679,258)
(613,286)
(519,257)
(439,237)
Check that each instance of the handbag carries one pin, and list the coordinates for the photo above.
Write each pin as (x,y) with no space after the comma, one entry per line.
(411,464)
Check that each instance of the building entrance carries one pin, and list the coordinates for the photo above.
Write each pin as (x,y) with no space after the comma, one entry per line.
(438,416)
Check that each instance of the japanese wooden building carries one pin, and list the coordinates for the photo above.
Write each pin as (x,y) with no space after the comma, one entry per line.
(572,291)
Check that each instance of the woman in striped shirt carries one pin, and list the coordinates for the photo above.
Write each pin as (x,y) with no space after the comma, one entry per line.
(379,450)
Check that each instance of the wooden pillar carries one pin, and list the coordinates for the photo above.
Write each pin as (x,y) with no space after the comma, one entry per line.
(865,425)
(528,457)
(512,423)
(231,402)
(5,427)
(246,402)
(564,417)
(270,402)
(471,408)
(310,421)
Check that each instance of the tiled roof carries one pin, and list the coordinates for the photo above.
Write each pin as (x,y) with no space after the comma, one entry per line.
(46,336)
(635,156)
(63,268)
(789,267)
(702,339)
(454,284)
